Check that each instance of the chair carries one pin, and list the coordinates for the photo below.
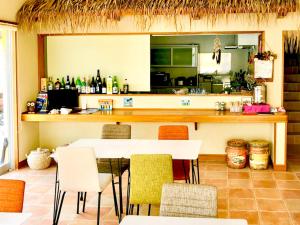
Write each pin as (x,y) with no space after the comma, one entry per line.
(11,195)
(177,132)
(115,166)
(4,147)
(188,200)
(148,174)
(78,172)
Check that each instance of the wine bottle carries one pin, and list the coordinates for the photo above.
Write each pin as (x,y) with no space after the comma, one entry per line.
(93,86)
(98,83)
(68,84)
(115,88)
(73,86)
(78,84)
(57,84)
(50,85)
(125,87)
(88,86)
(109,85)
(104,90)
(83,86)
(62,86)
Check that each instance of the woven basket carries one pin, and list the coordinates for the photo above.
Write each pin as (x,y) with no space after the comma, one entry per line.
(39,159)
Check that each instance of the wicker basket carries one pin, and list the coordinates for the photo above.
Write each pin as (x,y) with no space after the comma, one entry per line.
(236,153)
(259,154)
(39,159)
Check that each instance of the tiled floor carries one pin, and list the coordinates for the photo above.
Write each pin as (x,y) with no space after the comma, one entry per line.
(261,197)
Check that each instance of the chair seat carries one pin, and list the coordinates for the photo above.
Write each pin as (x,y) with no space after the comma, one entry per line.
(104,179)
(104,165)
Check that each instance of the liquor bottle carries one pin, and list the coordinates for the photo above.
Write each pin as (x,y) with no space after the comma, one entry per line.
(88,86)
(109,85)
(62,86)
(83,86)
(50,84)
(93,86)
(73,86)
(104,90)
(125,87)
(98,83)
(115,88)
(57,84)
(78,84)
(68,84)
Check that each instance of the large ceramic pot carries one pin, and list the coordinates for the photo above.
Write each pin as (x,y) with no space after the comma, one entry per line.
(39,159)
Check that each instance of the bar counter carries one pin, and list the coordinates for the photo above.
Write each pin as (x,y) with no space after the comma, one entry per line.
(159,115)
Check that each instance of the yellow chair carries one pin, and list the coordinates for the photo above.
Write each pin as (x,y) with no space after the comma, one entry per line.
(148,174)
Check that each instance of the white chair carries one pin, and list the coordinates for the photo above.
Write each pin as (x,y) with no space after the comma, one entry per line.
(78,173)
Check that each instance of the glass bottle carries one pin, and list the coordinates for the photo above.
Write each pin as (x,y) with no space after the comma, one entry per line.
(57,84)
(109,85)
(68,84)
(62,83)
(115,88)
(104,88)
(125,87)
(93,86)
(83,86)
(78,84)
(98,83)
(73,86)
(50,85)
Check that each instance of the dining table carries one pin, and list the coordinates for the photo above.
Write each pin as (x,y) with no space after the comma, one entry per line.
(161,220)
(9,218)
(124,148)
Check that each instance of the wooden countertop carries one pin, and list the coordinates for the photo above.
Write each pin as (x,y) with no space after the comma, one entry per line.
(159,115)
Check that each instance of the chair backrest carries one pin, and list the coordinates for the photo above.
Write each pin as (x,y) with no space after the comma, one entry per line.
(11,195)
(173,132)
(188,200)
(148,173)
(3,153)
(77,169)
(114,131)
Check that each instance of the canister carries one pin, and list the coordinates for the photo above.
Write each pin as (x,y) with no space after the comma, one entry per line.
(260,93)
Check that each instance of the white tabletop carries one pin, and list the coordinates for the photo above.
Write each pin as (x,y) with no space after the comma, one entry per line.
(160,220)
(124,148)
(13,218)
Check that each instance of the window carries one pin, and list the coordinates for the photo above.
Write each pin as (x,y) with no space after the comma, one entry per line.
(208,66)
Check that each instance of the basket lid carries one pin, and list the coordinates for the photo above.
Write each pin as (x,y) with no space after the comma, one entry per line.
(259,143)
(236,143)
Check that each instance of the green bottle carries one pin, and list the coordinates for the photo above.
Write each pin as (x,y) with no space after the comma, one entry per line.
(115,87)
(78,84)
(83,86)
(63,84)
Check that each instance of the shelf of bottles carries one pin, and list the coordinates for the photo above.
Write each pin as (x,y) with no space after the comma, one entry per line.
(94,86)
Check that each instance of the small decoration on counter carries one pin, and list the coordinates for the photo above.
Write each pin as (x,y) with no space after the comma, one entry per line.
(220,106)
(236,107)
(54,111)
(217,50)
(105,104)
(30,107)
(259,93)
(44,84)
(257,108)
(42,102)
(65,111)
(278,109)
(181,91)
(128,102)
(39,159)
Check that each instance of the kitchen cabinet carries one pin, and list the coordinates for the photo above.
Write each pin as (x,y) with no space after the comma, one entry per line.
(174,55)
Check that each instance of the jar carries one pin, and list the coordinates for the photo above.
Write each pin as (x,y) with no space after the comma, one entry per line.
(259,94)
(39,159)
(236,153)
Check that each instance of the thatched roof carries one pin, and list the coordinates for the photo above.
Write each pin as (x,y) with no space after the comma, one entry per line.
(83,13)
(292,42)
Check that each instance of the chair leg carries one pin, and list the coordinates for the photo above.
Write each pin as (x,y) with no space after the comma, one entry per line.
(120,193)
(78,199)
(138,209)
(84,201)
(131,209)
(59,208)
(115,198)
(81,196)
(128,193)
(149,209)
(98,210)
(198,172)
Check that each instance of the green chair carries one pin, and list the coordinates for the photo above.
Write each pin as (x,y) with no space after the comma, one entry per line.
(148,175)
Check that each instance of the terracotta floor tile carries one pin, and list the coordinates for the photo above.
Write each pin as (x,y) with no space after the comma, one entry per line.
(223,203)
(222,193)
(240,193)
(216,167)
(222,214)
(244,204)
(250,216)
(282,184)
(262,175)
(296,218)
(264,184)
(267,193)
(275,218)
(290,194)
(285,176)
(220,183)
(242,183)
(238,175)
(270,205)
(293,204)
(246,169)
(215,175)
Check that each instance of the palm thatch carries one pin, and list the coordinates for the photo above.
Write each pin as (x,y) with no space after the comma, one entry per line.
(82,13)
(292,42)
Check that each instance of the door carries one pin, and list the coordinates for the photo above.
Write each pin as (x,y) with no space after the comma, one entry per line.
(6,96)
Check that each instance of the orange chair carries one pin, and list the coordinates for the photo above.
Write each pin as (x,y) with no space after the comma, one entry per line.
(11,195)
(176,132)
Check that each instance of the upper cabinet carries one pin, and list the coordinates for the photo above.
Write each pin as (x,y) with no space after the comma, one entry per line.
(174,55)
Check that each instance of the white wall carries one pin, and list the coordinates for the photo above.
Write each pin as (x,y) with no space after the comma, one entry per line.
(124,56)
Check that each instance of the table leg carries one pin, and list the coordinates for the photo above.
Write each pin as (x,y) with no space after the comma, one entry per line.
(56,195)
